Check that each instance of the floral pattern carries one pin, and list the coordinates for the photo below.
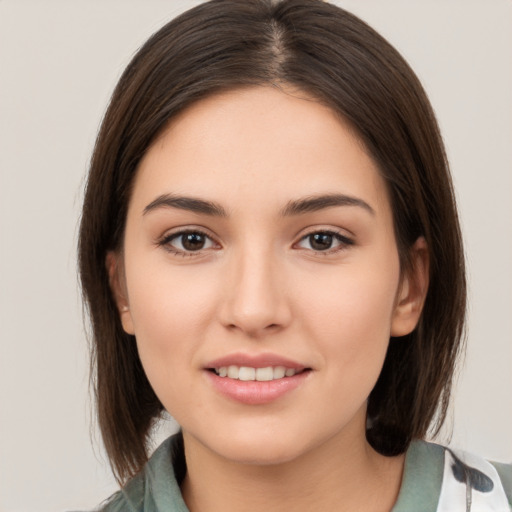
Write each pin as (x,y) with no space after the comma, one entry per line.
(472,484)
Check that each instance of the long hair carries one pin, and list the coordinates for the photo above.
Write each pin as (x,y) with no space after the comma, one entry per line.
(344,64)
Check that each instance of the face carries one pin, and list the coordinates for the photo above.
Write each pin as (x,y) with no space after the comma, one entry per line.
(260,275)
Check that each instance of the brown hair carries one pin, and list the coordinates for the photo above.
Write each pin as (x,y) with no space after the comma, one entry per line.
(332,55)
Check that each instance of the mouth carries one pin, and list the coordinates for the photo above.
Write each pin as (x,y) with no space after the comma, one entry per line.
(265,374)
(256,379)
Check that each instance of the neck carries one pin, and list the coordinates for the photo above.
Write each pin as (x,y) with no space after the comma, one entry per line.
(337,476)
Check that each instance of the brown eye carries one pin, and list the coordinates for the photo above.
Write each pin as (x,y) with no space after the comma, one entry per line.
(325,241)
(193,241)
(187,242)
(321,241)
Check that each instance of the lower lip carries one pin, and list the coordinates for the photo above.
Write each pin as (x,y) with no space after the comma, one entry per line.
(254,392)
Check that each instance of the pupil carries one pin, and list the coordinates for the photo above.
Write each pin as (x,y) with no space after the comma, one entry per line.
(321,241)
(193,241)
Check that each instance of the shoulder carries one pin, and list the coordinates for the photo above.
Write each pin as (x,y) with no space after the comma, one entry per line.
(505,473)
(446,479)
(155,488)
(129,498)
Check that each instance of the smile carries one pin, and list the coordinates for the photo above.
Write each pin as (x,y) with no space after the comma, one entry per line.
(247,373)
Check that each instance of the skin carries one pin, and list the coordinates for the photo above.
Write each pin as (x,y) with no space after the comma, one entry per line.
(259,284)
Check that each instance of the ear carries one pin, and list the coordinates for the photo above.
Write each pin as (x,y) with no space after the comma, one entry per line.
(117,282)
(412,291)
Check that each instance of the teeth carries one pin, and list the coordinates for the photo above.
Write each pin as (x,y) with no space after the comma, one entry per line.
(247,373)
(233,372)
(279,372)
(263,374)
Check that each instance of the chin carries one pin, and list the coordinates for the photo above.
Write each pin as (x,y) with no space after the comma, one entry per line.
(261,454)
(256,446)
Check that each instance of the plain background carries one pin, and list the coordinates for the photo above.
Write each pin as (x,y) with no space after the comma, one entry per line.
(59,61)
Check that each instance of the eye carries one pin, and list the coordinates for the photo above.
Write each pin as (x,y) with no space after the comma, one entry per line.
(187,242)
(325,241)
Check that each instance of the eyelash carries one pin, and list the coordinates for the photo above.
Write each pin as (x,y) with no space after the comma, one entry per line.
(344,242)
(167,239)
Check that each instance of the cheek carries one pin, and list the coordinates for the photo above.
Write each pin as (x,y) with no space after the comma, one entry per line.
(350,313)
(171,310)
(165,299)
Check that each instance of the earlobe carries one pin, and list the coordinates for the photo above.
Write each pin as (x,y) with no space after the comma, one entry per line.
(117,284)
(412,292)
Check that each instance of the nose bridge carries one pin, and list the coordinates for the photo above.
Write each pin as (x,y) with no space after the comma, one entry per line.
(255,299)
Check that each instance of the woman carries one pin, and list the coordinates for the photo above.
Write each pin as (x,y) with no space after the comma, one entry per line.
(270,251)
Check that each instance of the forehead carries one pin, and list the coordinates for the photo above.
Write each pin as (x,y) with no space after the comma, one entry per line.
(256,145)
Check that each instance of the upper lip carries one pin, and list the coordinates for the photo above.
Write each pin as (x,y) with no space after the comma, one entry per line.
(255,361)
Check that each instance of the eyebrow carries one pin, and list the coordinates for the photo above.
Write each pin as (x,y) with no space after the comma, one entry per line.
(295,207)
(191,204)
(316,203)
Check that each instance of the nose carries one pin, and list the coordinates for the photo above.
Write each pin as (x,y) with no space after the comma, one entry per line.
(255,296)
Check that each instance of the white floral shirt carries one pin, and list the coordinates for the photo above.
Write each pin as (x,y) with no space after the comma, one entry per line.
(436,479)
